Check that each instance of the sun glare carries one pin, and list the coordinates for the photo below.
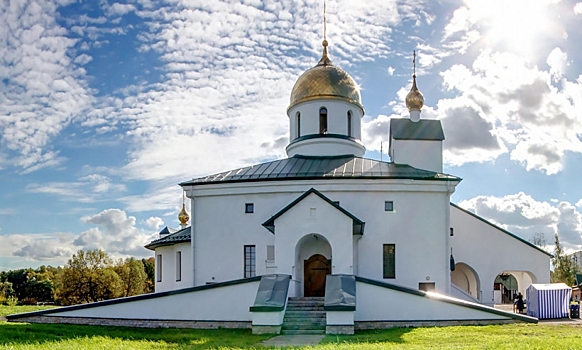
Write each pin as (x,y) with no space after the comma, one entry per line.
(514,25)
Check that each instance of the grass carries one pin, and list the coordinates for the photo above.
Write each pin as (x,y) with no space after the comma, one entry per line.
(516,336)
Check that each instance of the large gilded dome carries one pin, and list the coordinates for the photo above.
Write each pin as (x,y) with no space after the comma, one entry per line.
(325,80)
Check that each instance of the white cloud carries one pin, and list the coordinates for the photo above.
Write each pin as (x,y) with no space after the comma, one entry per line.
(557,60)
(118,9)
(517,110)
(42,91)
(578,8)
(87,189)
(155,222)
(115,233)
(523,215)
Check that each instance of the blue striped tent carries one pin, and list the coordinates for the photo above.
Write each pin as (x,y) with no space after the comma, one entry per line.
(548,300)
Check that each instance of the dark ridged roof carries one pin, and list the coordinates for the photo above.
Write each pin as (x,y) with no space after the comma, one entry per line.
(180,236)
(424,129)
(303,167)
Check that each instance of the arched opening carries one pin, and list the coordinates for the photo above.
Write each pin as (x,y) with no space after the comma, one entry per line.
(508,283)
(323,120)
(466,279)
(298,124)
(350,123)
(313,264)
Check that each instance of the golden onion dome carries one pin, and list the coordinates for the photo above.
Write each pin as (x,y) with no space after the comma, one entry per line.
(325,80)
(183,216)
(414,99)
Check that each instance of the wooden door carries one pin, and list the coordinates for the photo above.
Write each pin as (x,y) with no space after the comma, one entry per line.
(314,271)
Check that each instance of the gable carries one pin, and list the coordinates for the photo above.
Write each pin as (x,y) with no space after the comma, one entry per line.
(358,225)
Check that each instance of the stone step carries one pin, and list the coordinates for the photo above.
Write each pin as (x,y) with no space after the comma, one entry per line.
(302,331)
(305,324)
(302,315)
(306,309)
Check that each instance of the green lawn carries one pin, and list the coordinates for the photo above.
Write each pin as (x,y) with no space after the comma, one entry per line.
(518,336)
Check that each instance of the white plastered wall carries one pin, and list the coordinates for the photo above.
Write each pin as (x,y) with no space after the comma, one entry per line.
(336,118)
(422,154)
(419,227)
(233,301)
(376,303)
(490,251)
(312,226)
(169,276)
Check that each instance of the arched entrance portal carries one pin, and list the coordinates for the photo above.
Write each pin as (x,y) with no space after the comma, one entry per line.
(510,282)
(315,270)
(313,264)
(467,280)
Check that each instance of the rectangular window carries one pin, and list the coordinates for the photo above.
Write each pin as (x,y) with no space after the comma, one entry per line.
(426,286)
(389,206)
(249,208)
(270,253)
(389,269)
(250,261)
(178,266)
(159,267)
(452,232)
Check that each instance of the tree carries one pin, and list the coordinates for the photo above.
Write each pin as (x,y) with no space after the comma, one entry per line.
(88,277)
(564,268)
(133,276)
(539,239)
(149,265)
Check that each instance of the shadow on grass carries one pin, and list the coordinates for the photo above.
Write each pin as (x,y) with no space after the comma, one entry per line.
(393,335)
(50,335)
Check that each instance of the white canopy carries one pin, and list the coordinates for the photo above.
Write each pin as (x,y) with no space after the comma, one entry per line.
(548,300)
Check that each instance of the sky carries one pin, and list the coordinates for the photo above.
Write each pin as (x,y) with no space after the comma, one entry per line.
(106,106)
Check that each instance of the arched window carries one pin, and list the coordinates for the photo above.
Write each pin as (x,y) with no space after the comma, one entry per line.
(323,120)
(298,124)
(350,123)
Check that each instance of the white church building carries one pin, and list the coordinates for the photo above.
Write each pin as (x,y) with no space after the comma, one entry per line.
(361,243)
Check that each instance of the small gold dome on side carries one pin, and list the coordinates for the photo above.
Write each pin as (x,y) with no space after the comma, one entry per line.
(183,216)
(414,99)
(325,80)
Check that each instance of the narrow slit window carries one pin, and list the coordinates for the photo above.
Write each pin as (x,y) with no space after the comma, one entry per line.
(350,123)
(250,265)
(389,263)
(298,124)
(323,120)
(159,268)
(178,266)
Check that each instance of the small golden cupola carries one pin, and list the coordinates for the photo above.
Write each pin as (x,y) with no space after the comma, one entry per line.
(183,215)
(414,99)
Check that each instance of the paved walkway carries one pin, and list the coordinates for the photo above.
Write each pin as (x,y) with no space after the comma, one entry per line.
(293,340)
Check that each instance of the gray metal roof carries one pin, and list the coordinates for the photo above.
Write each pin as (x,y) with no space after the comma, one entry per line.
(424,129)
(303,167)
(180,236)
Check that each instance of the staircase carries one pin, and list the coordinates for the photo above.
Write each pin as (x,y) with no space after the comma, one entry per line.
(304,316)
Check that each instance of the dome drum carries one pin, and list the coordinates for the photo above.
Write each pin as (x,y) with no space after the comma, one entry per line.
(343,118)
(325,145)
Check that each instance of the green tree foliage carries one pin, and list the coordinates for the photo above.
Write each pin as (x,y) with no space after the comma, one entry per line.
(6,292)
(149,265)
(564,268)
(133,276)
(88,277)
